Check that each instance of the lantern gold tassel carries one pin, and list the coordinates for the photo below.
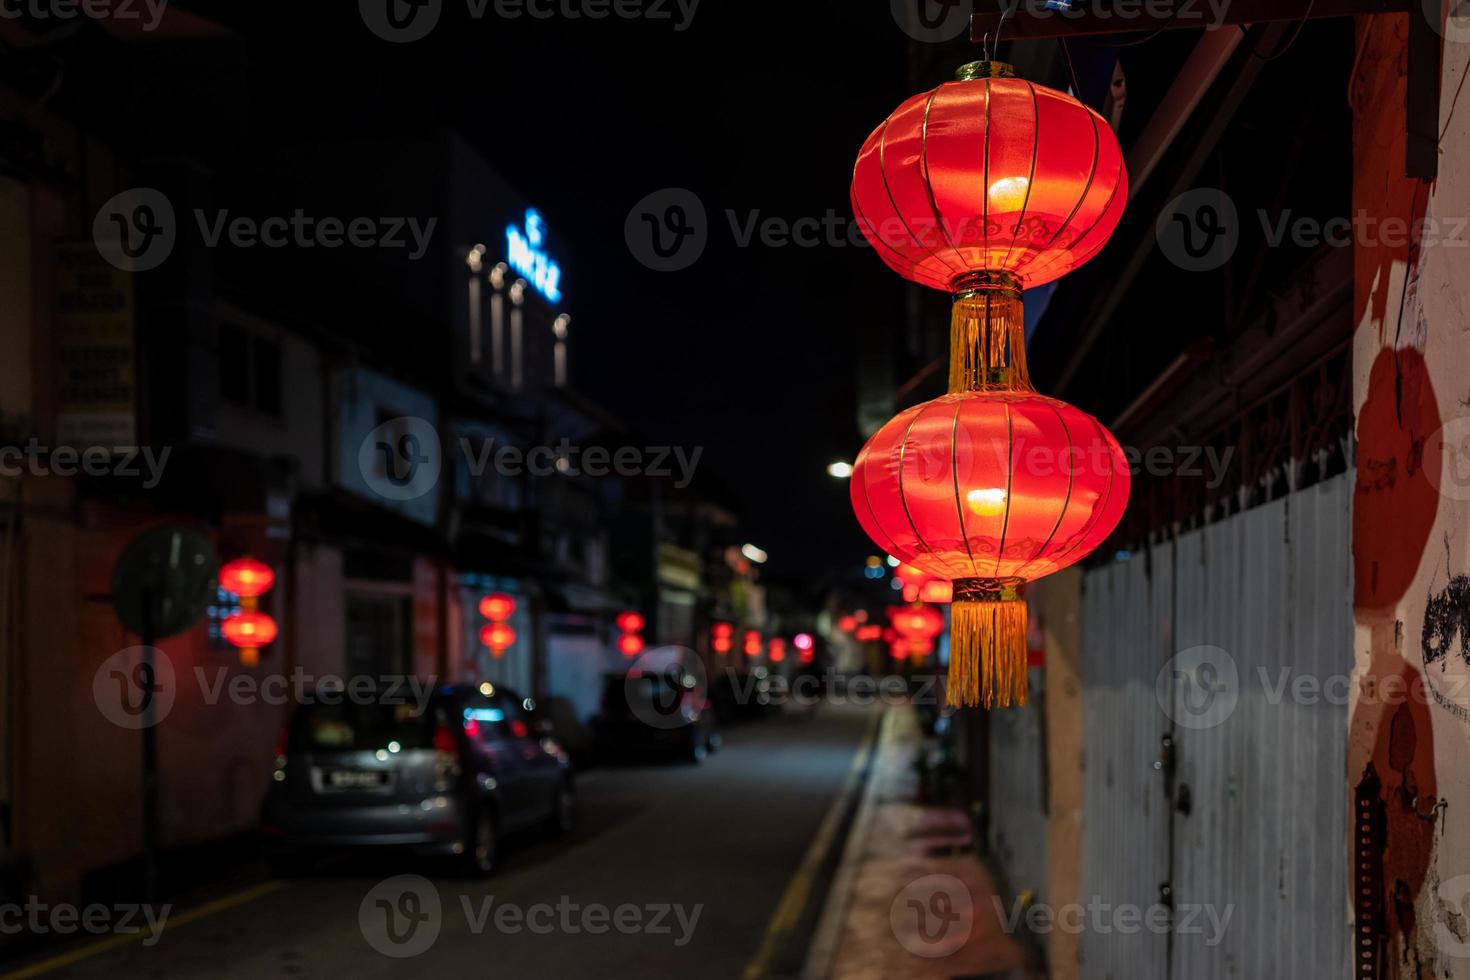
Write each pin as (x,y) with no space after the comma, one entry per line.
(987,652)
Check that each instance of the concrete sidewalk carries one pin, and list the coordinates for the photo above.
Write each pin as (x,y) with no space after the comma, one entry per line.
(909,898)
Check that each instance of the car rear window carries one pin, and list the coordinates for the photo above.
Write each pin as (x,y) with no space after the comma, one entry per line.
(361,726)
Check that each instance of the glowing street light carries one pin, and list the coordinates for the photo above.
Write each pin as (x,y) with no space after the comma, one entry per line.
(754,554)
(840,470)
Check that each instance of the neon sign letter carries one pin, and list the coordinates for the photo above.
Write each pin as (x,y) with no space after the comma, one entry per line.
(528,259)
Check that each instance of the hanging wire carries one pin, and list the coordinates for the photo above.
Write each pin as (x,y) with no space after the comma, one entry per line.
(1289,41)
(1071,71)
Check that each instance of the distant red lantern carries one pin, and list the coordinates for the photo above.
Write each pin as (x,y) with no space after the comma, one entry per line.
(249,630)
(776,650)
(871,631)
(847,624)
(722,630)
(937,592)
(246,578)
(917,622)
(498,637)
(753,644)
(497,607)
(630,622)
(630,644)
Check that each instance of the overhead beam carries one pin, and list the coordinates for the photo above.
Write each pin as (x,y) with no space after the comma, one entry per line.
(1030,20)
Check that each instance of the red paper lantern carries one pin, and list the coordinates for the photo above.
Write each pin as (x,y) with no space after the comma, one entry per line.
(984,186)
(722,631)
(847,624)
(989,173)
(630,644)
(753,645)
(497,607)
(871,631)
(630,622)
(498,637)
(249,630)
(776,649)
(917,622)
(246,578)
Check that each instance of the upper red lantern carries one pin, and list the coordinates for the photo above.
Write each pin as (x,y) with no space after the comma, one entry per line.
(989,173)
(630,622)
(497,607)
(917,622)
(246,578)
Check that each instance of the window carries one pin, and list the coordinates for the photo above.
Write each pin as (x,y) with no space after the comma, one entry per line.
(249,370)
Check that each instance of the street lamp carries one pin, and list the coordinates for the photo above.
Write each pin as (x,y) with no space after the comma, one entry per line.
(754,554)
(840,470)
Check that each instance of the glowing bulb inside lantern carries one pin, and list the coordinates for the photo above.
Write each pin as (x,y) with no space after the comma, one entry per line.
(988,502)
(1009,193)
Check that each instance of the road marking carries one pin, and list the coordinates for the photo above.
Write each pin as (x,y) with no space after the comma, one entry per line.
(799,888)
(174,921)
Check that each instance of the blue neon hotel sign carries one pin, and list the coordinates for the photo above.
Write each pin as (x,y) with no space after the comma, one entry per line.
(530,261)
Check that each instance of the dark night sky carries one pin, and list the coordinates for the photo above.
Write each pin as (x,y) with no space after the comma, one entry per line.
(756,108)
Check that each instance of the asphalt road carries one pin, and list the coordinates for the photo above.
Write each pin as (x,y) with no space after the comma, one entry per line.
(675,870)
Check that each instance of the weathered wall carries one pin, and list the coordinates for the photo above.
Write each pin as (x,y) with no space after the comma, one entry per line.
(1408,782)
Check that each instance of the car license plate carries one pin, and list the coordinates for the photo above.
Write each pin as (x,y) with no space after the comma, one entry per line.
(350,779)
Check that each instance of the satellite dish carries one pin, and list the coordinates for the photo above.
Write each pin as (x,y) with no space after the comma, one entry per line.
(164,581)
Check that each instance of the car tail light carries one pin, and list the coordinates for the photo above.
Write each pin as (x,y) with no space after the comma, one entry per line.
(444,741)
(446,757)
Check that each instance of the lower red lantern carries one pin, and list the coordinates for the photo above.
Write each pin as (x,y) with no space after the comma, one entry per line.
(249,630)
(630,644)
(499,637)
(989,487)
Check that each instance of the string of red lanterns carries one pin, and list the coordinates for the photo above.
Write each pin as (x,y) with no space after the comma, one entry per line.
(498,635)
(984,186)
(249,629)
(630,639)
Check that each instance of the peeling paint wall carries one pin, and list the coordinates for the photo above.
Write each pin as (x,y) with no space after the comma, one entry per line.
(1409,739)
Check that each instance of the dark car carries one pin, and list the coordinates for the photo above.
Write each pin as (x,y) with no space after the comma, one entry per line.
(654,712)
(449,777)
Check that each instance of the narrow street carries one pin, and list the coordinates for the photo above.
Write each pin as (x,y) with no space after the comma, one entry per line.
(717,844)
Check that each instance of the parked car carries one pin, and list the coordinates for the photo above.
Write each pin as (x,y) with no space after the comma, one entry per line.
(654,713)
(449,777)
